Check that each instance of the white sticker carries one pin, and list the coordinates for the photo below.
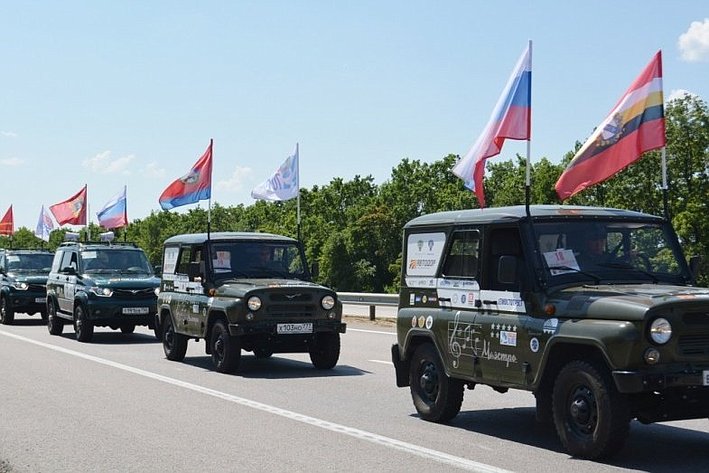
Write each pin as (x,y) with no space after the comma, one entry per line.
(534,344)
(423,253)
(561,259)
(508,338)
(429,322)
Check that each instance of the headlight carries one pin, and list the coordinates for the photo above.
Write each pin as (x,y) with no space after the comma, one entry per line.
(157,291)
(102,291)
(254,303)
(660,331)
(20,286)
(327,302)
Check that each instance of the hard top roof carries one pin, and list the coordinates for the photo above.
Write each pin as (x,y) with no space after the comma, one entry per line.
(515,213)
(26,251)
(103,245)
(198,238)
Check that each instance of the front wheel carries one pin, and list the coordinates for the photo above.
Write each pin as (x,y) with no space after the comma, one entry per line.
(7,315)
(325,351)
(436,396)
(226,350)
(592,419)
(54,323)
(173,344)
(83,327)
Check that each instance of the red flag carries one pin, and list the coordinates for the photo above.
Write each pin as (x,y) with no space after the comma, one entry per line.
(194,186)
(635,125)
(7,224)
(72,211)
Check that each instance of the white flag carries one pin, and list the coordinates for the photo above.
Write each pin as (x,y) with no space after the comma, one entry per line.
(44,225)
(284,184)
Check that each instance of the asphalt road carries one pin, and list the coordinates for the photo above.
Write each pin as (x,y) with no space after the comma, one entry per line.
(118,405)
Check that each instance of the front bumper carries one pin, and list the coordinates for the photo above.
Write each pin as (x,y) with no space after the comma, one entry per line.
(270,328)
(112,313)
(28,301)
(631,382)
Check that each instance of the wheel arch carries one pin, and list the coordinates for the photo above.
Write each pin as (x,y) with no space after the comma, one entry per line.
(212,318)
(563,352)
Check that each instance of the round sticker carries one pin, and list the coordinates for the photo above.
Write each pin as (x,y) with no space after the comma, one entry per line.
(422,321)
(413,321)
(534,344)
(429,322)
(424,299)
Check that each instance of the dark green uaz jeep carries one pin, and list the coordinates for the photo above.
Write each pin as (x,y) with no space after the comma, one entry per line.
(590,309)
(245,291)
(100,284)
(23,282)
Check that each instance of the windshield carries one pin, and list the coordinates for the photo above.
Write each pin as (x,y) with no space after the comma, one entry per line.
(610,252)
(258,260)
(115,261)
(30,262)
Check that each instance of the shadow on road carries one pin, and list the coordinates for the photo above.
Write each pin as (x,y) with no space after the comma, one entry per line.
(276,367)
(114,337)
(29,321)
(658,448)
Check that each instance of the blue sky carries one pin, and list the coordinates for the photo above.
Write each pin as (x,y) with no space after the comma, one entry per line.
(108,93)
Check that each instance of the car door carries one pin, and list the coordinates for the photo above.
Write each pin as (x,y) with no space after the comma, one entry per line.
(509,346)
(64,280)
(189,301)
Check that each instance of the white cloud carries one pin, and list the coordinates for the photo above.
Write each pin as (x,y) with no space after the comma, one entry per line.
(14,161)
(236,181)
(678,94)
(694,44)
(152,170)
(102,163)
(9,134)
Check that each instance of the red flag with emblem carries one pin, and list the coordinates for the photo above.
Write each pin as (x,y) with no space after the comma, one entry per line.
(7,224)
(71,211)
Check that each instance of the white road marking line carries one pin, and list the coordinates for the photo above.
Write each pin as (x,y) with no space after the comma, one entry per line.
(369,331)
(381,361)
(423,452)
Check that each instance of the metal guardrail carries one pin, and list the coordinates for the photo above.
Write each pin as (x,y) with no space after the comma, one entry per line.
(371,300)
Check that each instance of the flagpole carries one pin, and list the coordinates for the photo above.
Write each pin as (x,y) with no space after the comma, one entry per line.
(664,184)
(209,202)
(528,179)
(297,170)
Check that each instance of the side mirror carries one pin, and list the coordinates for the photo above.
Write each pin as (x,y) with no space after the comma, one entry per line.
(694,267)
(70,270)
(507,269)
(315,270)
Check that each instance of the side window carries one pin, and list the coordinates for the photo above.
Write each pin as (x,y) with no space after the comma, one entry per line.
(463,255)
(191,263)
(169,260)
(68,260)
(56,262)
(506,260)
(184,260)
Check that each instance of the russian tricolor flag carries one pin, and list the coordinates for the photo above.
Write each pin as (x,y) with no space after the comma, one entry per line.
(511,118)
(114,214)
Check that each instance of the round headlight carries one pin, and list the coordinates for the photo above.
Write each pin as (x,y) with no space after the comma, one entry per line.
(157,291)
(327,302)
(22,286)
(660,331)
(254,303)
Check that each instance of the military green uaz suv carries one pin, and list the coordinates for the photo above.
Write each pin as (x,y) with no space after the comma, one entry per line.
(590,309)
(23,282)
(245,291)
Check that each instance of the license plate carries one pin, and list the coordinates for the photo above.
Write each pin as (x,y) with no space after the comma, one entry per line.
(135,310)
(40,300)
(705,377)
(295,328)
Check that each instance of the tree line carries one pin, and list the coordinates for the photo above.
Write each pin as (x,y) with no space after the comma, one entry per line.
(353,228)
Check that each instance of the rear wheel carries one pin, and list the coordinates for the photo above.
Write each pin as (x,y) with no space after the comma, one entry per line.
(591,418)
(226,350)
(83,327)
(437,397)
(7,315)
(54,323)
(325,351)
(173,344)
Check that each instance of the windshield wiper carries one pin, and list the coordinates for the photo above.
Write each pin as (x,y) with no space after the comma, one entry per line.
(569,268)
(617,265)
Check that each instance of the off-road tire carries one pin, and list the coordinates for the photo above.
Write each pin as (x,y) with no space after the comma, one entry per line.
(436,396)
(325,350)
(591,418)
(83,327)
(7,315)
(173,344)
(226,350)
(54,323)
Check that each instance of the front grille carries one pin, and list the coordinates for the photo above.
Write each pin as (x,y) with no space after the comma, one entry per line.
(291,310)
(696,319)
(134,293)
(37,288)
(290,297)
(693,345)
